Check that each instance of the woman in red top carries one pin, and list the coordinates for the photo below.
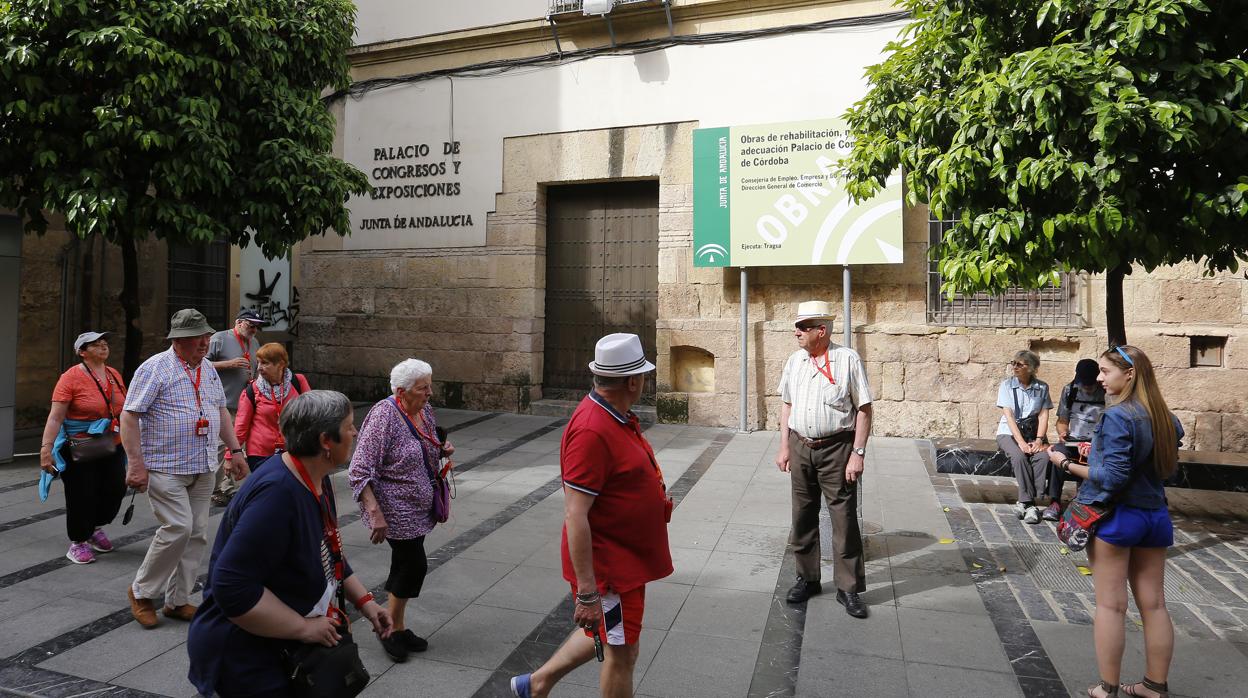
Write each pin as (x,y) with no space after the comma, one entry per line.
(260,405)
(86,393)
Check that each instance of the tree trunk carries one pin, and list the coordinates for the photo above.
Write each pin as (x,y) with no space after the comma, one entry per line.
(129,299)
(1114,317)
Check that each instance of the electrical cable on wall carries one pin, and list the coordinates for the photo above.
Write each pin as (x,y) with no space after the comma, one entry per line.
(551,60)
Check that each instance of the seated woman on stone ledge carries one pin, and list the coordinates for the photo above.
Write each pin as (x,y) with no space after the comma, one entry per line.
(1025,404)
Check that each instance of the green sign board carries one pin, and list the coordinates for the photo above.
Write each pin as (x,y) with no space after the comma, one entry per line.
(765,196)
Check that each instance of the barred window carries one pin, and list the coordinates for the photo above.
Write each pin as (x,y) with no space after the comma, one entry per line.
(1050,306)
(199,277)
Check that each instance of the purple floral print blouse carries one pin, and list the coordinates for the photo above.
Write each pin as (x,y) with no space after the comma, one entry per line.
(396,463)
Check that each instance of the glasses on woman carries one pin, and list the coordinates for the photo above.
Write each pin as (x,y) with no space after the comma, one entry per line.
(1017,364)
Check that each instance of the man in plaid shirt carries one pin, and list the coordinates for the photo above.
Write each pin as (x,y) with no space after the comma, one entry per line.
(174,413)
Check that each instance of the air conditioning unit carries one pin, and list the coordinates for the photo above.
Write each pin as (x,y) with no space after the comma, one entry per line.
(597,7)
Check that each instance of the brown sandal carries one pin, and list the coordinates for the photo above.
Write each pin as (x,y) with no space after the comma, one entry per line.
(1161,689)
(1109,688)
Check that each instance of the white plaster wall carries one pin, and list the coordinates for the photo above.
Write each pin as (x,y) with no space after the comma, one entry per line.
(390,20)
(785,78)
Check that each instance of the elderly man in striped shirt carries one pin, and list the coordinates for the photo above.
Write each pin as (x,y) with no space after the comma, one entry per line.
(825,419)
(174,413)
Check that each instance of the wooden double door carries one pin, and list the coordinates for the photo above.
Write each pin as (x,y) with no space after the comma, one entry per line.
(602,276)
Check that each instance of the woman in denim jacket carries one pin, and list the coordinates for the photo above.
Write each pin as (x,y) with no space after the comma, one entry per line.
(1134,449)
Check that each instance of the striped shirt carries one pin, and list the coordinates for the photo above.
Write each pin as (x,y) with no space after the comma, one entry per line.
(162,393)
(821,407)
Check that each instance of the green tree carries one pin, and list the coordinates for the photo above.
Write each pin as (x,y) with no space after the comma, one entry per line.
(1065,135)
(190,120)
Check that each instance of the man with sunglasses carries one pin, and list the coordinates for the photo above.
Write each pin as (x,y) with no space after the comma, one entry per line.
(825,420)
(233,353)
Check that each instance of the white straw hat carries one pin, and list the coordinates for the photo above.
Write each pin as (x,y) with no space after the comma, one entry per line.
(619,354)
(812,310)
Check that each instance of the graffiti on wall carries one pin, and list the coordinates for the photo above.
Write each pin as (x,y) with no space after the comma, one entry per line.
(265,287)
(278,315)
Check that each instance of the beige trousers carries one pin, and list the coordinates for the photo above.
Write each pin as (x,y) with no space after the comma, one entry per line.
(180,503)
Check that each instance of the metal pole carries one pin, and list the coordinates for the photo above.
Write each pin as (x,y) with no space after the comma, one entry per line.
(849,320)
(745,347)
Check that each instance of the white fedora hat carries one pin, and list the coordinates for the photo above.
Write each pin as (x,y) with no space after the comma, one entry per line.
(618,355)
(812,310)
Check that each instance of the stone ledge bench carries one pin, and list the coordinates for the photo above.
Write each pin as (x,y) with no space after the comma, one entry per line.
(1199,470)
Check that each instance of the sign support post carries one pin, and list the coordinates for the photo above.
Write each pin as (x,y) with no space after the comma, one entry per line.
(849,325)
(745,346)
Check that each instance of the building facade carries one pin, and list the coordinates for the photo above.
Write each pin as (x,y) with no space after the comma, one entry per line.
(533,183)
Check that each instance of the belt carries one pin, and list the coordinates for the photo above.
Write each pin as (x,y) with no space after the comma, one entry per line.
(825,441)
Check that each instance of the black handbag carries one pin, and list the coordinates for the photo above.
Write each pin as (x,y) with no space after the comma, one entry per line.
(87,448)
(1027,426)
(317,671)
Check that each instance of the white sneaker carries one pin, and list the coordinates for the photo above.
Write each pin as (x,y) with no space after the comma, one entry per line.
(1032,515)
(1020,509)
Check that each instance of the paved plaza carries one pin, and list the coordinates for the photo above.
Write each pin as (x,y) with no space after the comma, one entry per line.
(965,600)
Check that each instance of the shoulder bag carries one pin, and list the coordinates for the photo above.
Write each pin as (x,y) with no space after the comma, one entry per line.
(317,671)
(88,448)
(441,509)
(1027,426)
(1079,521)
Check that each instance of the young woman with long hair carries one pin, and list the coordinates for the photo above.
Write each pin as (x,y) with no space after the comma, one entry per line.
(1134,449)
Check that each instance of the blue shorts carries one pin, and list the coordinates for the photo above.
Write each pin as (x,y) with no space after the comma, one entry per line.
(1129,527)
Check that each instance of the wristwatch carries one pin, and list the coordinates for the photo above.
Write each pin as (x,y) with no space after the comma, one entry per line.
(861,452)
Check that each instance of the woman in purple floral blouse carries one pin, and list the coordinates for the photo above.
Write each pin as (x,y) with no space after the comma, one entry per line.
(395,453)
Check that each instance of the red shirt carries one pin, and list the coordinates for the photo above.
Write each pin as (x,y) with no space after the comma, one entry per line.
(84,402)
(603,454)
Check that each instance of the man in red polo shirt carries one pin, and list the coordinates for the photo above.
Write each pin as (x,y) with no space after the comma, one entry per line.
(615,524)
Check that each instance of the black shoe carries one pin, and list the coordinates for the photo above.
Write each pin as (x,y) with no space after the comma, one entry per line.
(803,590)
(395,647)
(412,641)
(852,603)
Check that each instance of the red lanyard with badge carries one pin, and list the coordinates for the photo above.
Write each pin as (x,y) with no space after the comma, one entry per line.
(332,540)
(114,423)
(202,424)
(279,443)
(243,347)
(826,369)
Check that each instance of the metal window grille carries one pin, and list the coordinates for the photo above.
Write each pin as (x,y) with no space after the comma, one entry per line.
(1051,306)
(562,6)
(199,278)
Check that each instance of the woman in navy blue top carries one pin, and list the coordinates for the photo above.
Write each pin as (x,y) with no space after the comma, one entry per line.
(271,579)
(1134,449)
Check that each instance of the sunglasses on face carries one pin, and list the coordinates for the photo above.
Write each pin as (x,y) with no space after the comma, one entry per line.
(1018,364)
(808,328)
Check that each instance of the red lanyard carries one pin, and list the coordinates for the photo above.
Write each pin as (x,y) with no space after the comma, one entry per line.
(826,370)
(411,421)
(195,383)
(243,346)
(108,398)
(331,526)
